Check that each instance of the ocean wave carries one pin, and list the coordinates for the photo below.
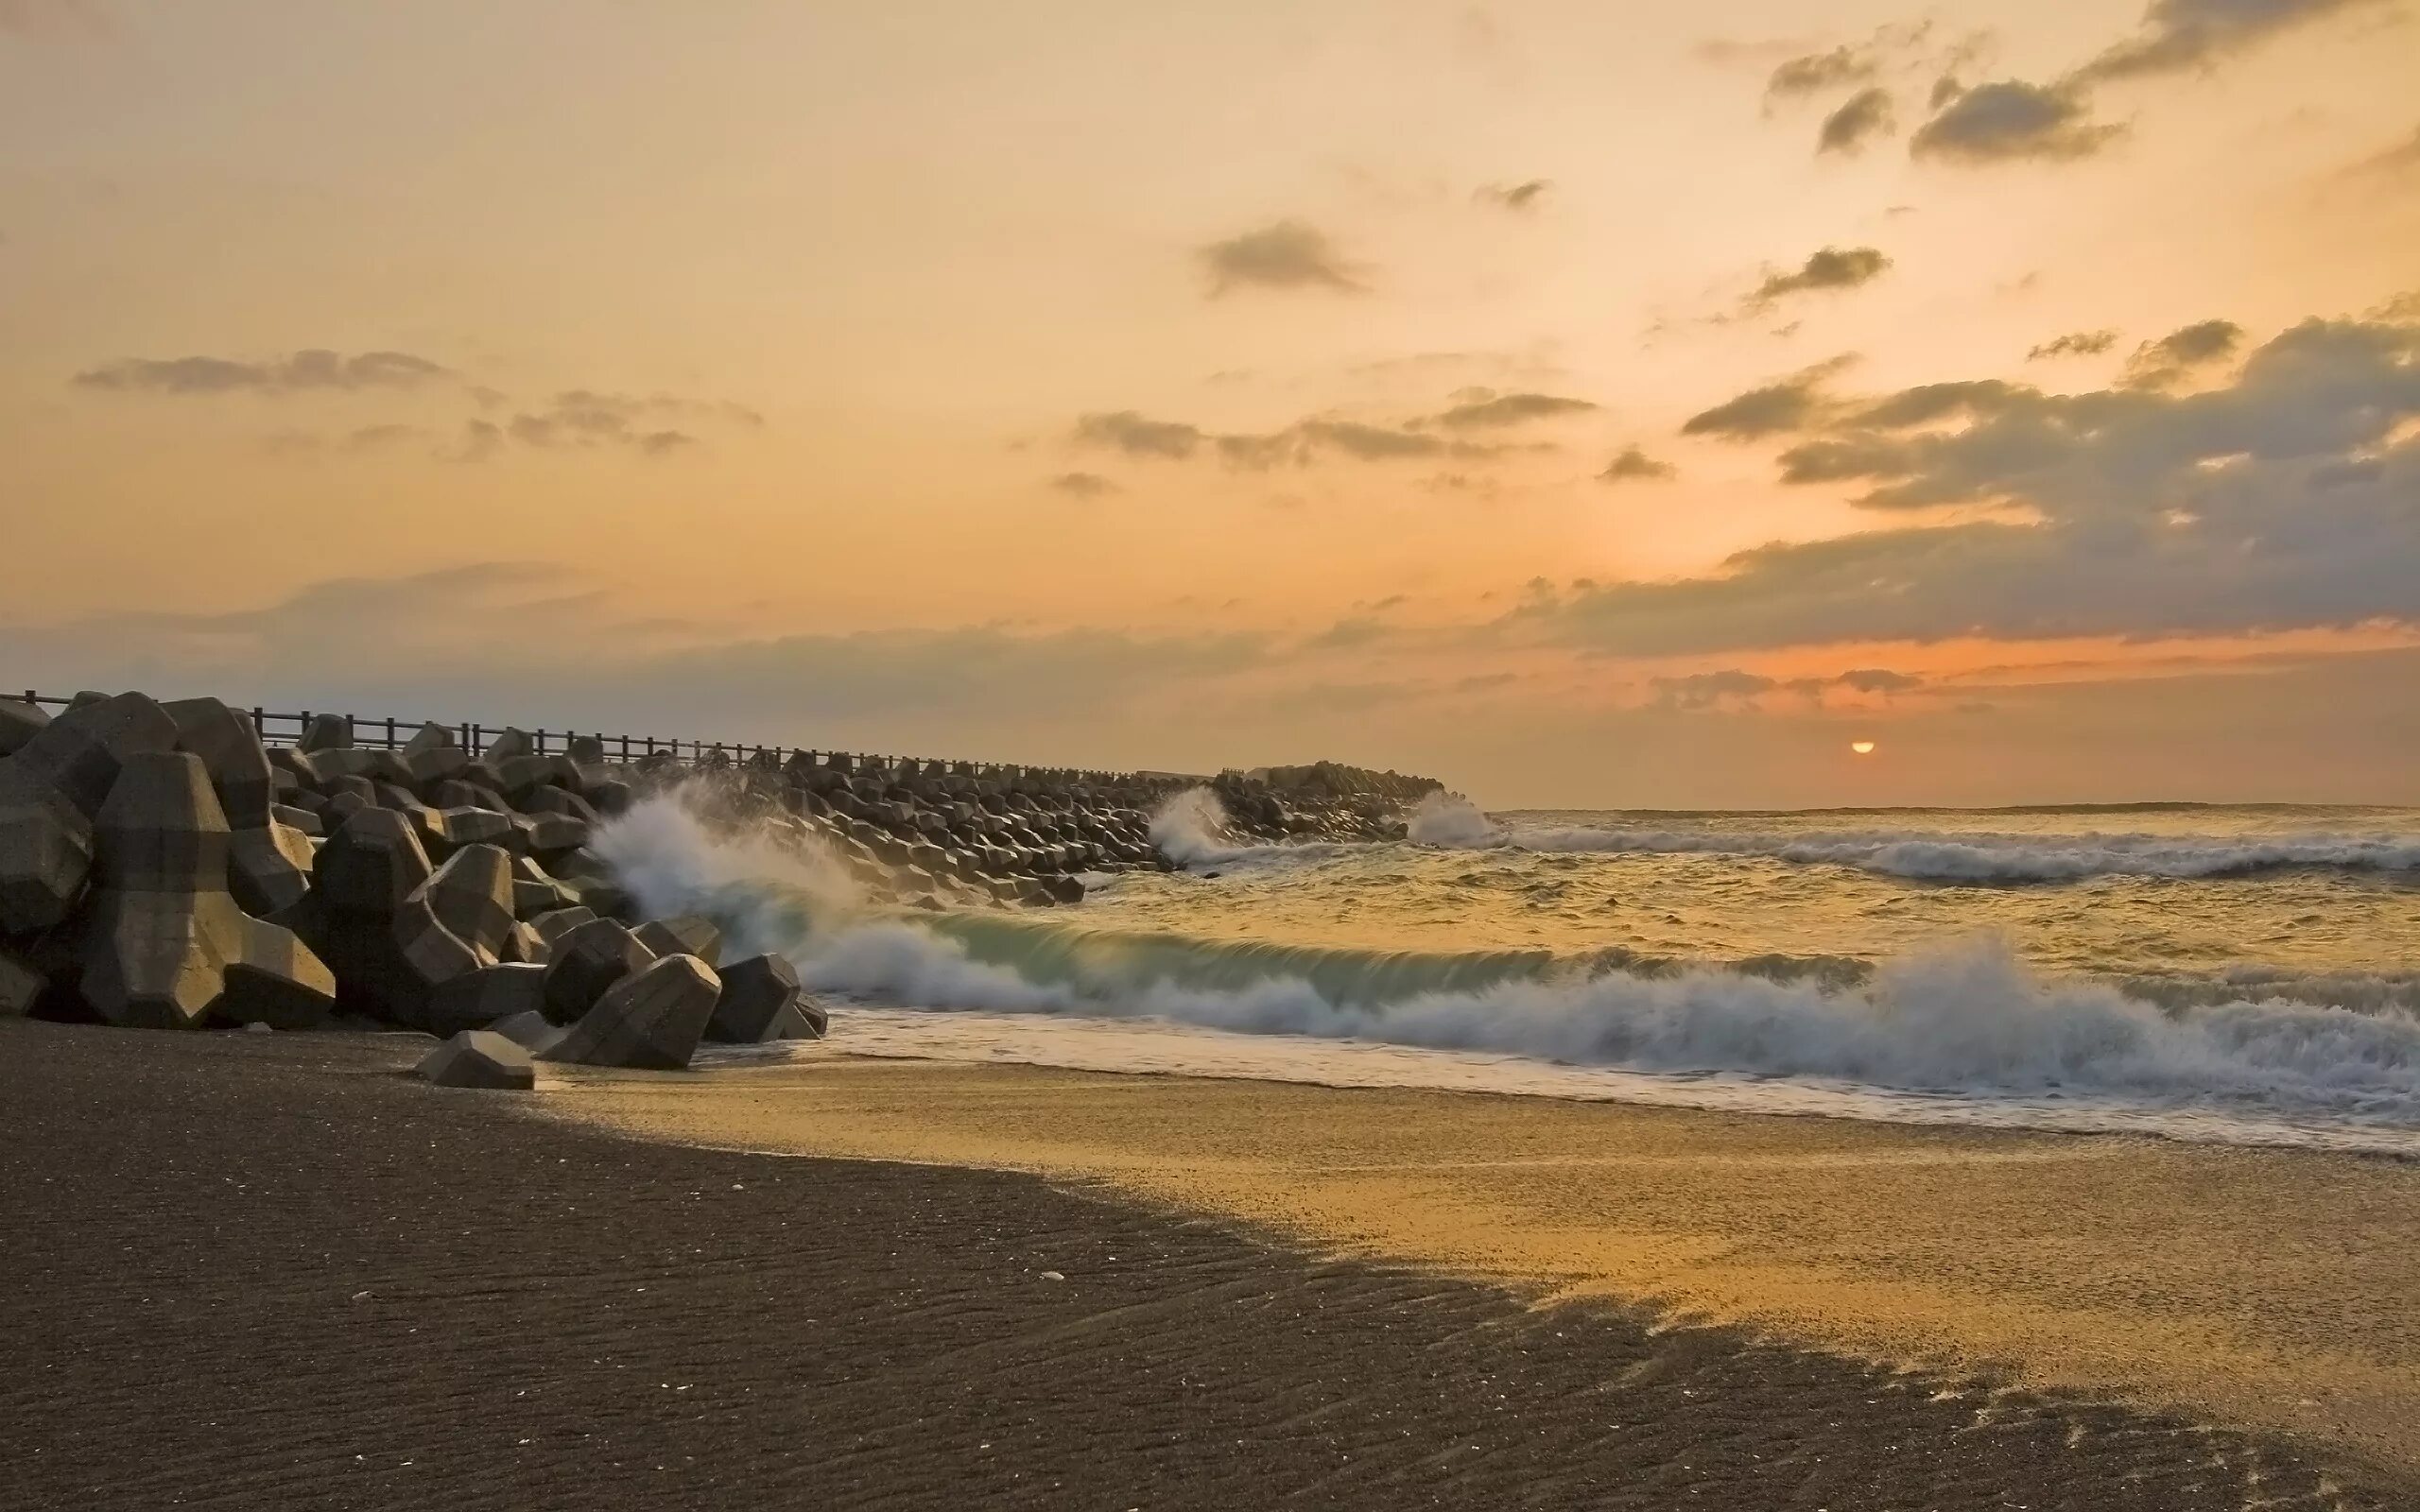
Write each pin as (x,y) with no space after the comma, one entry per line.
(1965,1020)
(1453,821)
(1192,829)
(1931,856)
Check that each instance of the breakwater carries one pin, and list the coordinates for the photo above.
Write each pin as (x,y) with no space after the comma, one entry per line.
(167,865)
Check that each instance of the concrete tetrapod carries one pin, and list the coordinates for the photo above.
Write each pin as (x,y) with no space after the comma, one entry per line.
(685,935)
(475,1057)
(472,896)
(479,999)
(762,1001)
(587,962)
(163,943)
(269,862)
(18,722)
(370,916)
(649,1021)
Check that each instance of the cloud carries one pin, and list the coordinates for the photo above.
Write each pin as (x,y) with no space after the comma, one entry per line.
(1817,72)
(1488,410)
(587,417)
(1877,679)
(2281,499)
(1738,689)
(2074,344)
(1768,411)
(1369,442)
(1285,254)
(2011,120)
(1864,116)
(2402,158)
(1834,267)
(1306,440)
(480,440)
(1083,485)
(520,641)
(1526,195)
(1708,689)
(1728,52)
(2176,35)
(1631,465)
(1126,431)
(2169,359)
(309,370)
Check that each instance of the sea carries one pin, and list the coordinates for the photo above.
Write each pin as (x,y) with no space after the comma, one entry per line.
(2238,975)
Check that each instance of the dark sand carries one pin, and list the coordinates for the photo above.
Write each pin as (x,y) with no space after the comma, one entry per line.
(249,1271)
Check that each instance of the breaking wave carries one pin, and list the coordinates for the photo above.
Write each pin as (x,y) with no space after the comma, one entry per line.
(1191,826)
(1964,1022)
(1931,856)
(1453,821)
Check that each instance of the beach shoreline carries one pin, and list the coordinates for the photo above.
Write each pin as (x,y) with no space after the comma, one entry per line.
(2268,1288)
(300,1277)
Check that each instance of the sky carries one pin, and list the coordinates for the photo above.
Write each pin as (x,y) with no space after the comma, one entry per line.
(1585,403)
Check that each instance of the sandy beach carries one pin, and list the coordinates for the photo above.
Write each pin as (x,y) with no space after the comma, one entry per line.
(256,1271)
(2267,1289)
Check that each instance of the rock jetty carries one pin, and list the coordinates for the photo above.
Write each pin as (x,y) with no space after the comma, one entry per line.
(162,866)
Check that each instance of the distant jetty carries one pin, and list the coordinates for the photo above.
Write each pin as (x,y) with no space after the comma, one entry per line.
(190,864)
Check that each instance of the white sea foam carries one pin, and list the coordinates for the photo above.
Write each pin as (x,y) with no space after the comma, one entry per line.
(1454,821)
(1191,827)
(1963,1032)
(1930,855)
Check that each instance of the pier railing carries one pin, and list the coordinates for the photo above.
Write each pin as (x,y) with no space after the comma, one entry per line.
(385,733)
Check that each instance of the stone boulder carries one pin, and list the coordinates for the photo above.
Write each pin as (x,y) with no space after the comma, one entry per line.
(478,1058)
(762,1001)
(649,1021)
(587,962)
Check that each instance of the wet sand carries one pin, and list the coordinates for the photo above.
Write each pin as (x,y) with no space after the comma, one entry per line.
(269,1271)
(2273,1290)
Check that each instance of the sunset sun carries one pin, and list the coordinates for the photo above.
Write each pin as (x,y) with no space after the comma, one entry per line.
(1863,747)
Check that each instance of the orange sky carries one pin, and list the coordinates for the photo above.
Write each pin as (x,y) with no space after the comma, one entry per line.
(1098,383)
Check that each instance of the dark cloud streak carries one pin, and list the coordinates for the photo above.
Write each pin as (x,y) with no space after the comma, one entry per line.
(312,368)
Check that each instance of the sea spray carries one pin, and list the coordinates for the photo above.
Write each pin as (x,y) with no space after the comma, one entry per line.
(1959,1025)
(1454,821)
(762,884)
(1191,826)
